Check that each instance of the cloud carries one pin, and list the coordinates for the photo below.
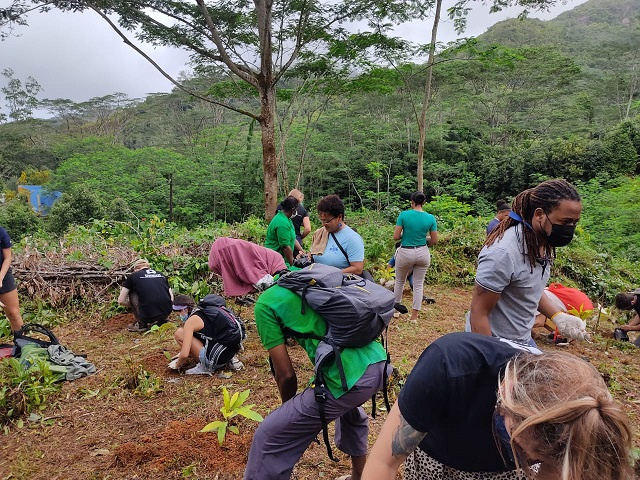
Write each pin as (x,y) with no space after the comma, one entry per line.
(78,56)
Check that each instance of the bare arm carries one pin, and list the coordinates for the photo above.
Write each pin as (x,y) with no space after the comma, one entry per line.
(193,324)
(306,227)
(397,233)
(396,441)
(299,247)
(288,254)
(354,267)
(433,238)
(633,325)
(546,306)
(483,302)
(123,298)
(283,371)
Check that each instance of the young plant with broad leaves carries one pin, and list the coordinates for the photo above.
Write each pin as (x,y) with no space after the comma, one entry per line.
(233,406)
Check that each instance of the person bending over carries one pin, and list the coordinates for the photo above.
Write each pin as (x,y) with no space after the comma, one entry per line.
(478,407)
(285,434)
(515,263)
(630,301)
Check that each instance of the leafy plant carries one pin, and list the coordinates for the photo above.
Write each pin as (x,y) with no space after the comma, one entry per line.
(233,406)
(5,327)
(23,390)
(160,329)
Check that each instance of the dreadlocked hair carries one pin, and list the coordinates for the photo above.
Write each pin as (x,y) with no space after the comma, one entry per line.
(546,196)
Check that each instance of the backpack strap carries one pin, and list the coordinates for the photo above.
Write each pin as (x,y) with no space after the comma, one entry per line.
(344,252)
(320,393)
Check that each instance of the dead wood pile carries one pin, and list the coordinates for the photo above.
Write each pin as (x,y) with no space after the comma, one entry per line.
(57,276)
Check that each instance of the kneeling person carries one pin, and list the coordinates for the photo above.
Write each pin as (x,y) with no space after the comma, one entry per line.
(286,433)
(147,292)
(212,335)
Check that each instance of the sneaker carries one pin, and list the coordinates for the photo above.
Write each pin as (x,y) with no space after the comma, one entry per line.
(199,369)
(136,327)
(235,364)
(428,300)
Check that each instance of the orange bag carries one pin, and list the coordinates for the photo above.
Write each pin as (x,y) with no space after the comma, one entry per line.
(577,302)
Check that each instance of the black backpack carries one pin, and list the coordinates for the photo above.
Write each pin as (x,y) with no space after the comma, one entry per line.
(21,337)
(226,328)
(357,312)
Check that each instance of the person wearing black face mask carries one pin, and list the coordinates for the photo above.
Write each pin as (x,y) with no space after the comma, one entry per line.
(514,265)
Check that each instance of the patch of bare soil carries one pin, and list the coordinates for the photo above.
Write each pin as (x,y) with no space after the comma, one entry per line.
(99,429)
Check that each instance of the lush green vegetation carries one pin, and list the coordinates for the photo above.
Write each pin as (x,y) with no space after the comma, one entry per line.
(526,101)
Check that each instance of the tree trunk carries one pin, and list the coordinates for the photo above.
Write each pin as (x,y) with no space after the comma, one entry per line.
(422,122)
(270,159)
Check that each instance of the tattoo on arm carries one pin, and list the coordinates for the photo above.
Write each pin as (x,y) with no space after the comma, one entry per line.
(405,439)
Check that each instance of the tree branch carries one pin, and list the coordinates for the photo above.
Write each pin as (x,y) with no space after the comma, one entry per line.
(224,57)
(128,42)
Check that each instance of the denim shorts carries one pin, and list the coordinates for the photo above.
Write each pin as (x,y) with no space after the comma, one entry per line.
(8,284)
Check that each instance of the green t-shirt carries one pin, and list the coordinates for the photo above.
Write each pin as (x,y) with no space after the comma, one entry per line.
(279,307)
(415,227)
(280,233)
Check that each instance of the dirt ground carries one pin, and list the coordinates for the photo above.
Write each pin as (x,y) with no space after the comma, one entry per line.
(101,428)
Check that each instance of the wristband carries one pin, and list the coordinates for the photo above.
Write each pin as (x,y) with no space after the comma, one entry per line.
(556,314)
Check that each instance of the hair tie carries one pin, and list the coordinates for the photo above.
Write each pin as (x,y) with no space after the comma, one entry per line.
(518,219)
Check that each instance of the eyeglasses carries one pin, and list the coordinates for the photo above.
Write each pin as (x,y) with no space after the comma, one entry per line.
(324,222)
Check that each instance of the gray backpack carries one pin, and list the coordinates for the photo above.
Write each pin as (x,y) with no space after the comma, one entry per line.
(357,312)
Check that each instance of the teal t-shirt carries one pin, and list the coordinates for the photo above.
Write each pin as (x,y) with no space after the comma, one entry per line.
(415,227)
(279,307)
(280,233)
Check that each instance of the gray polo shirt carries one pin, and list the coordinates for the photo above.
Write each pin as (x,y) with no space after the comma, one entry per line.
(504,268)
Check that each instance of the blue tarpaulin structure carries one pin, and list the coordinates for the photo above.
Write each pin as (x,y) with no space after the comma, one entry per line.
(40,199)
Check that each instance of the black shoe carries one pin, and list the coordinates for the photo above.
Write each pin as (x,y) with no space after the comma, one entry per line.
(136,327)
(401,308)
(428,300)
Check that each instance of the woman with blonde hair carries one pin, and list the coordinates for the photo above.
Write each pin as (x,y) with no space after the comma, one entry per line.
(479,407)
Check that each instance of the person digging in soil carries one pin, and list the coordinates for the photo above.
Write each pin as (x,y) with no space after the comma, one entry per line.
(285,434)
(477,407)
(630,301)
(147,293)
(515,263)
(211,334)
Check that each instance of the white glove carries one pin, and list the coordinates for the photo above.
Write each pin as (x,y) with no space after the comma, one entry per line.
(264,283)
(174,364)
(570,326)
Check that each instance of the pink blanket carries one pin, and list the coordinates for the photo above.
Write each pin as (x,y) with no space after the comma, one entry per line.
(242,263)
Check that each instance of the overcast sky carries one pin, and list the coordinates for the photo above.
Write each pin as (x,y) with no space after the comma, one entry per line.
(78,56)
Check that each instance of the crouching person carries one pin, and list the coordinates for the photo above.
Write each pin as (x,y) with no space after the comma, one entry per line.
(146,291)
(212,335)
(286,433)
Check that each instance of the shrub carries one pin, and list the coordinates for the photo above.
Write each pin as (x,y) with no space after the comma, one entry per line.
(78,206)
(19,219)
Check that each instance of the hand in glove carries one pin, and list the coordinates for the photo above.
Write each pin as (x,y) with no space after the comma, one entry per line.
(174,364)
(570,326)
(264,283)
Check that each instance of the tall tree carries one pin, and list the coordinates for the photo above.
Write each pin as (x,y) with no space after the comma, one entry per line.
(21,100)
(253,42)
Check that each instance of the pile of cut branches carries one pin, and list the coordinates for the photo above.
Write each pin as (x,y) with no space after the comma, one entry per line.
(60,275)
